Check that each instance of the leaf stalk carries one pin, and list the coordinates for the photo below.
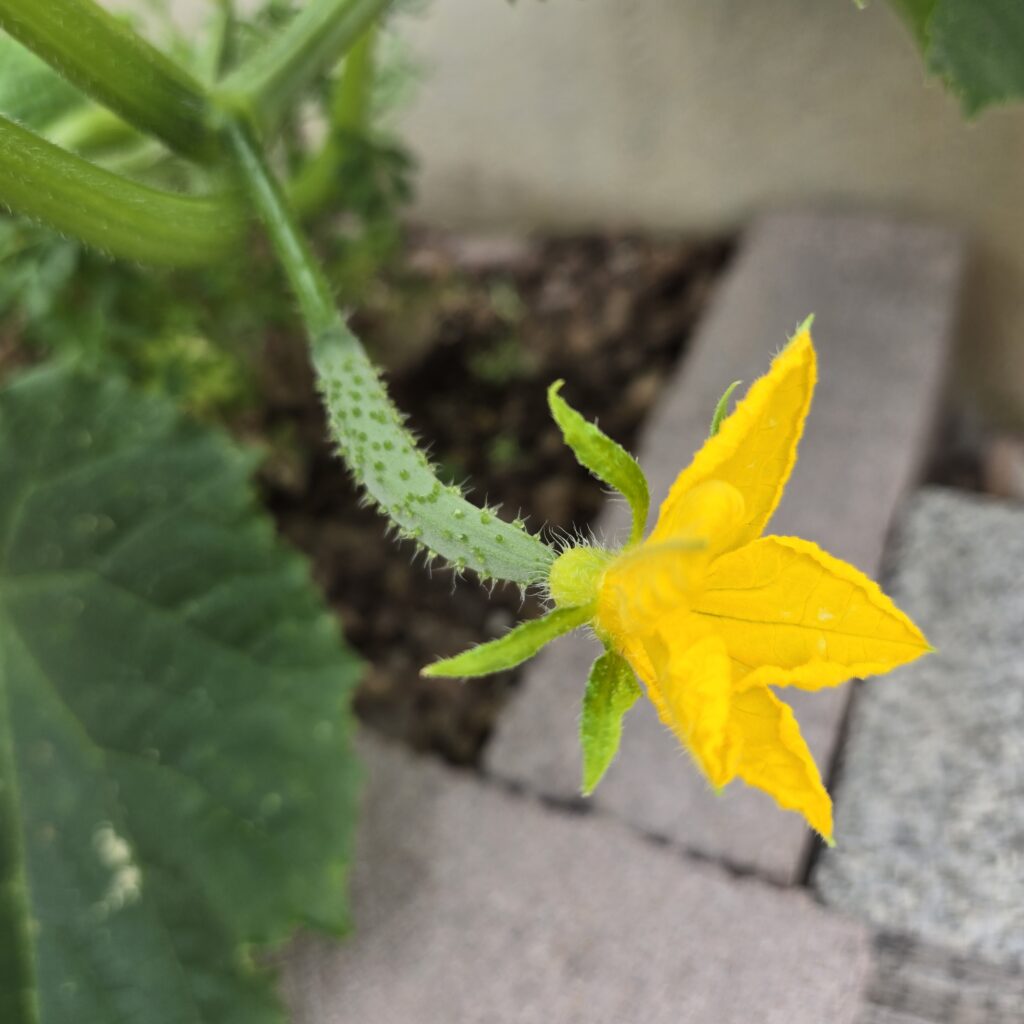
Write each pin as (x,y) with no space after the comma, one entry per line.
(110,212)
(265,87)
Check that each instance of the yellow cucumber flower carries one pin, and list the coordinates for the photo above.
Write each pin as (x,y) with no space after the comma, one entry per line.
(709,613)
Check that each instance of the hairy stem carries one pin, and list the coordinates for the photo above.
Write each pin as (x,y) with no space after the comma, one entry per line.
(319,35)
(108,61)
(112,213)
(379,450)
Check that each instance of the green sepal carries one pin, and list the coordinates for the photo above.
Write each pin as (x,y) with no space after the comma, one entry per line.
(514,647)
(612,690)
(606,459)
(722,409)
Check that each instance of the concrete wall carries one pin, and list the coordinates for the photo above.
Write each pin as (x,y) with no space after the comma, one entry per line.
(692,114)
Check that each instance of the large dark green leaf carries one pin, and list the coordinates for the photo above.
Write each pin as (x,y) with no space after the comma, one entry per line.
(175,778)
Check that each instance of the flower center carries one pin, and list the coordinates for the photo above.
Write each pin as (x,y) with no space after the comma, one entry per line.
(576,575)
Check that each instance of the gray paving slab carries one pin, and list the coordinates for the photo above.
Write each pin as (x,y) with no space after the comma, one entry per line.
(477,905)
(885,294)
(930,800)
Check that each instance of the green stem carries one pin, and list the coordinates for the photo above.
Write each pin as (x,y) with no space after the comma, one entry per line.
(315,182)
(269,82)
(379,450)
(108,61)
(353,91)
(115,214)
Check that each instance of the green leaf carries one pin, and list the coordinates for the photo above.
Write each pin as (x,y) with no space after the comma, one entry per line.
(916,14)
(176,784)
(722,409)
(514,647)
(612,690)
(976,46)
(606,459)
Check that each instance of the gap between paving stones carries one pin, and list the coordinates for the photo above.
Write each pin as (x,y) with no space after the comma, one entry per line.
(886,296)
(580,807)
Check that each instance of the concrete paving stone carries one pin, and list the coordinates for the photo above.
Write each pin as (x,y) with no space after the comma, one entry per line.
(474,904)
(930,801)
(885,295)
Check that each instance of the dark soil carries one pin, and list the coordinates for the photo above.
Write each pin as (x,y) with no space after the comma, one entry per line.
(473,332)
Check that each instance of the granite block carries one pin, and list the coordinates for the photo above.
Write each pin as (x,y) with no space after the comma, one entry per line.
(930,801)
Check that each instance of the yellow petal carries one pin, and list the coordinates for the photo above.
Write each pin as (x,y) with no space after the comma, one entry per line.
(755,449)
(713,511)
(791,614)
(775,758)
(656,579)
(642,586)
(691,688)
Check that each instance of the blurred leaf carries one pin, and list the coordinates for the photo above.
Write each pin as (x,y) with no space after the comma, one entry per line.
(31,92)
(976,46)
(176,784)
(916,14)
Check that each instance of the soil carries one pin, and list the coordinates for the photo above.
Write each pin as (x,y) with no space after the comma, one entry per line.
(472,332)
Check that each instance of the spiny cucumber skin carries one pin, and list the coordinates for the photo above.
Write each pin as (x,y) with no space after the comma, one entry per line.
(385,459)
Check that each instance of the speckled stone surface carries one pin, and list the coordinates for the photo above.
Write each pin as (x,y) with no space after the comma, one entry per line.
(885,294)
(930,801)
(475,905)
